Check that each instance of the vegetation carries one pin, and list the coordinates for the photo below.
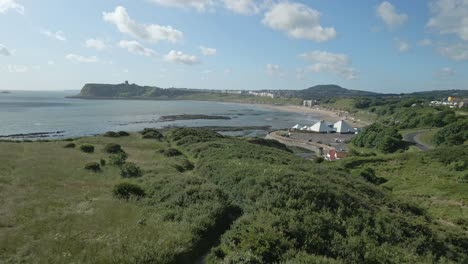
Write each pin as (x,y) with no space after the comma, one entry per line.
(70,145)
(455,133)
(116,134)
(113,148)
(118,159)
(151,133)
(130,170)
(171,152)
(93,166)
(381,137)
(127,190)
(87,148)
(262,204)
(269,143)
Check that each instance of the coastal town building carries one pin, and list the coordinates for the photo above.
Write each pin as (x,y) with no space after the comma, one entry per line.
(343,128)
(262,94)
(320,127)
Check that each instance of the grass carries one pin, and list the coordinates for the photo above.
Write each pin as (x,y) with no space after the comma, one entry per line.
(416,177)
(55,211)
(239,201)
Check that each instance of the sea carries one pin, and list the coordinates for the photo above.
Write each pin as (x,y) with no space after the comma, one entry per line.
(46,115)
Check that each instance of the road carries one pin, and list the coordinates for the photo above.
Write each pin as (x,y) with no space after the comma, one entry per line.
(413,137)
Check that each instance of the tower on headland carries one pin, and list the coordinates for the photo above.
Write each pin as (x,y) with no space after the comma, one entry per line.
(126,82)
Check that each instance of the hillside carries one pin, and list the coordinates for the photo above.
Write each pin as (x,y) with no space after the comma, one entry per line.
(200,195)
(126,90)
(326,91)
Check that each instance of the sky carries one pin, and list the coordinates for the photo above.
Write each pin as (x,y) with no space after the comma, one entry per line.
(383,46)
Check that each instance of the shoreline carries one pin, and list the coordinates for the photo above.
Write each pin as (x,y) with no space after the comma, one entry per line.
(325,114)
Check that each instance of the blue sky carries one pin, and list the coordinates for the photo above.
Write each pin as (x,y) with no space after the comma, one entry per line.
(384,46)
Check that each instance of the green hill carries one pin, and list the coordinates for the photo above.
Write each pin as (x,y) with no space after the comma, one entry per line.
(218,199)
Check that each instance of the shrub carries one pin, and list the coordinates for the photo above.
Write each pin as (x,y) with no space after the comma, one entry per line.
(269,143)
(171,152)
(102,162)
(319,159)
(87,148)
(68,139)
(127,190)
(123,133)
(113,148)
(151,133)
(130,170)
(464,178)
(368,174)
(70,145)
(111,134)
(93,166)
(454,134)
(118,159)
(185,165)
(460,165)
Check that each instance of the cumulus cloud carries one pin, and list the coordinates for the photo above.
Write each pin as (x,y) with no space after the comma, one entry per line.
(449,17)
(200,5)
(81,59)
(17,68)
(95,44)
(208,51)
(6,5)
(402,46)
(152,32)
(456,52)
(335,63)
(181,58)
(245,7)
(273,69)
(136,48)
(388,13)
(297,21)
(4,51)
(58,35)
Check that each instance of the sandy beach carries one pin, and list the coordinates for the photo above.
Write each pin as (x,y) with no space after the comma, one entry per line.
(325,114)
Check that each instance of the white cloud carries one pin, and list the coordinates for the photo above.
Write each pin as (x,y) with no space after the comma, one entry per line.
(389,15)
(200,5)
(81,59)
(6,5)
(330,62)
(425,42)
(51,63)
(446,72)
(17,68)
(456,52)
(245,7)
(95,44)
(58,35)
(4,51)
(273,69)
(297,21)
(181,58)
(136,48)
(152,32)
(450,17)
(208,51)
(402,46)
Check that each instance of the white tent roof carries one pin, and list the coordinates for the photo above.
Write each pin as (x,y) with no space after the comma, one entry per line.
(304,128)
(297,126)
(320,127)
(343,127)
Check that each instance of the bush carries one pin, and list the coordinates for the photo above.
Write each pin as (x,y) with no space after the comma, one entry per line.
(171,152)
(185,165)
(319,159)
(130,170)
(127,190)
(113,148)
(453,134)
(93,166)
(381,137)
(151,133)
(123,133)
(111,134)
(118,159)
(368,174)
(87,148)
(464,178)
(269,143)
(460,165)
(70,145)
(102,162)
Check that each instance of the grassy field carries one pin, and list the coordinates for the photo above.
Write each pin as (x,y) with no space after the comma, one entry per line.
(422,178)
(224,200)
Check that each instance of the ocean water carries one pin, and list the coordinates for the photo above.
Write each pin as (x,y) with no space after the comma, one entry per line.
(34,112)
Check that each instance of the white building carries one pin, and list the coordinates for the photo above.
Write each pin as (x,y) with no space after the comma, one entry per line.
(320,127)
(343,128)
